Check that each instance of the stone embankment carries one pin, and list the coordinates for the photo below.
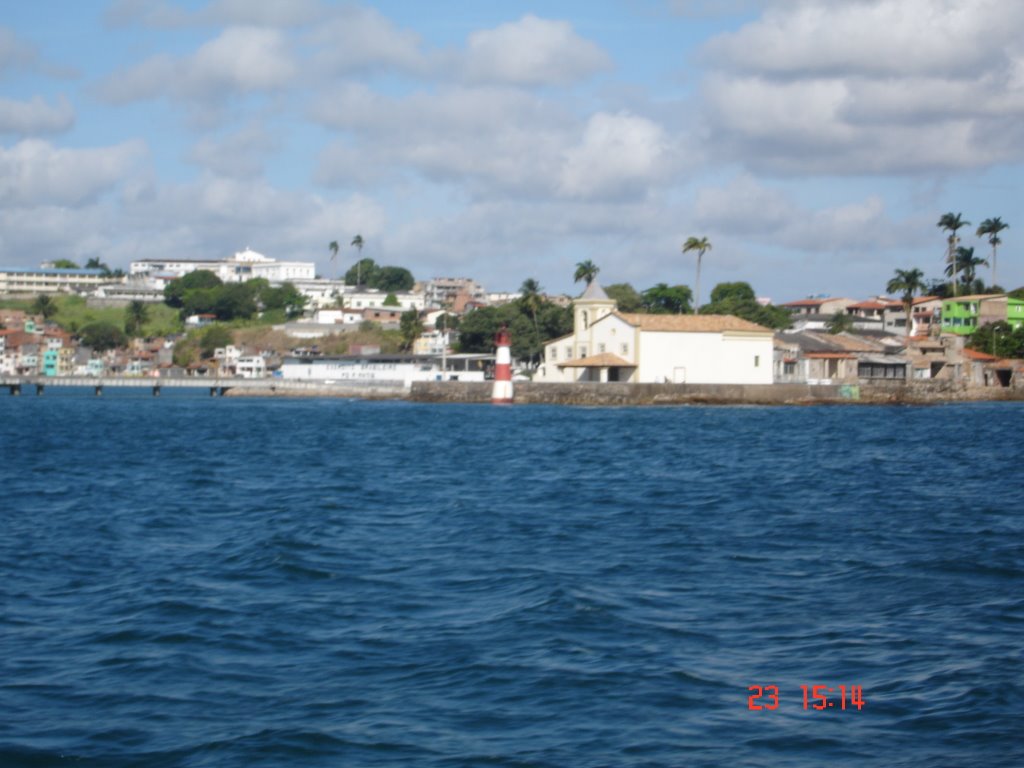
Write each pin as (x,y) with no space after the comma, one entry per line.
(620,394)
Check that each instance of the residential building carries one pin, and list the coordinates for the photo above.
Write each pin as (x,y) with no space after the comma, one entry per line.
(963,315)
(453,293)
(27,281)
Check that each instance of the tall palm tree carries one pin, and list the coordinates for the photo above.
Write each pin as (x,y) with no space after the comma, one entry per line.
(908,282)
(136,314)
(585,270)
(700,245)
(992,228)
(333,247)
(951,222)
(357,241)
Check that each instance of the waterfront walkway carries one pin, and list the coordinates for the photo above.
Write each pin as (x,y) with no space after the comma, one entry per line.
(217,386)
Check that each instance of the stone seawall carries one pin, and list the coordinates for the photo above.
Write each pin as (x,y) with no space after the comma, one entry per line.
(593,393)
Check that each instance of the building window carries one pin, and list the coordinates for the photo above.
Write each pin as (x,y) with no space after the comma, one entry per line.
(553,353)
(583,351)
(600,347)
(625,349)
(789,368)
(757,361)
(568,353)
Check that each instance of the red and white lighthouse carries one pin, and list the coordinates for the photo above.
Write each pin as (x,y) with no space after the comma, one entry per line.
(502,393)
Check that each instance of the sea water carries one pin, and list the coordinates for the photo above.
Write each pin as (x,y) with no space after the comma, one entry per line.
(194,581)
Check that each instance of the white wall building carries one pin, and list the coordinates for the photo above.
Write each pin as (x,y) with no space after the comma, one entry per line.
(396,370)
(695,349)
(27,280)
(242,266)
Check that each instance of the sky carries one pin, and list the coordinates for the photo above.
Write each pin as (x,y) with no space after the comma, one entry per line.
(815,143)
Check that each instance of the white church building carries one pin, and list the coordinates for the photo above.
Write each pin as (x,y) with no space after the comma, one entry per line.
(607,345)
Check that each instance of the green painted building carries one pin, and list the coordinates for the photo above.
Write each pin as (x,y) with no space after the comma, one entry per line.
(963,315)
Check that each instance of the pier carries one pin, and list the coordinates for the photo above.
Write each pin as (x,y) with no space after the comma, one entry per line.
(217,386)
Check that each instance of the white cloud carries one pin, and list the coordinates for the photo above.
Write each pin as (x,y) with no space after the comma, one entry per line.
(240,154)
(873,86)
(14,53)
(28,118)
(532,51)
(264,13)
(358,39)
(34,172)
(239,60)
(619,155)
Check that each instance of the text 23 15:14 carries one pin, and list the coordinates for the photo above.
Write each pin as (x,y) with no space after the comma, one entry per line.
(815,697)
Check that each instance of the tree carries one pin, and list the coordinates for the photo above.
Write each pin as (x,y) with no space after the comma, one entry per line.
(285,297)
(964,263)
(840,322)
(136,314)
(333,247)
(102,336)
(357,241)
(907,282)
(361,273)
(391,301)
(64,264)
(174,293)
(664,299)
(739,299)
(235,301)
(410,326)
(213,337)
(394,279)
(992,228)
(700,245)
(951,222)
(530,299)
(95,263)
(45,306)
(585,270)
(626,297)
(999,339)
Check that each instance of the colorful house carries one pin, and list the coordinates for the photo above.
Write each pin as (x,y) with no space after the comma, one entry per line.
(962,314)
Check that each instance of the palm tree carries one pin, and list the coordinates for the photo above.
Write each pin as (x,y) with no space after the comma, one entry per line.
(700,245)
(135,316)
(908,282)
(951,222)
(585,270)
(333,246)
(357,241)
(45,306)
(965,263)
(992,228)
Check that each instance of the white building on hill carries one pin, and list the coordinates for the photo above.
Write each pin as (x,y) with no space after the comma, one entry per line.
(242,266)
(607,345)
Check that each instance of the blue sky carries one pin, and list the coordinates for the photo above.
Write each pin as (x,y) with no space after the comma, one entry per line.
(814,143)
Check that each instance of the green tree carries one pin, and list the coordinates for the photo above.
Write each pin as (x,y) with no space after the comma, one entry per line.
(174,293)
(965,264)
(625,296)
(663,299)
(410,326)
(65,264)
(585,270)
(739,299)
(136,314)
(95,263)
(101,336)
(285,297)
(44,305)
(840,322)
(213,337)
(446,322)
(357,243)
(531,299)
(333,248)
(951,222)
(391,301)
(906,282)
(393,279)
(999,339)
(363,272)
(235,301)
(700,245)
(992,228)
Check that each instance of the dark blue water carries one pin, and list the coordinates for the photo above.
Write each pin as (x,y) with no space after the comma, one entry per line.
(187,581)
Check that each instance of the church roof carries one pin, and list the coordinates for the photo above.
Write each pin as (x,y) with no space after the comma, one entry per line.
(603,360)
(691,323)
(594,292)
